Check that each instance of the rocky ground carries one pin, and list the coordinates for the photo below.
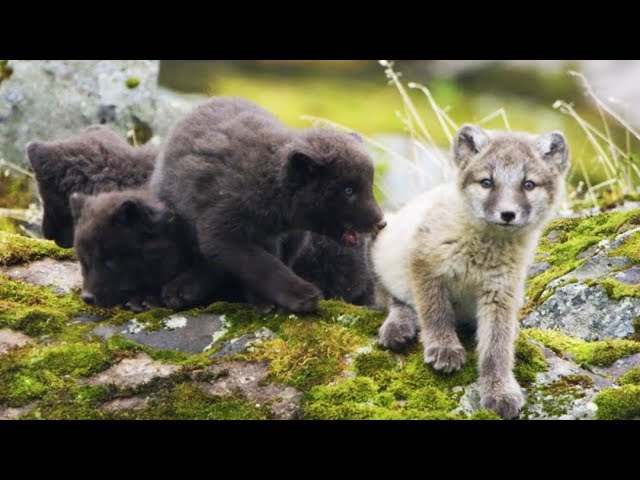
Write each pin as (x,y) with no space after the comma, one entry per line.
(577,355)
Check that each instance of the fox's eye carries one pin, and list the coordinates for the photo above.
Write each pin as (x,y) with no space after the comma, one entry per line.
(528,185)
(486,183)
(348,191)
(110,264)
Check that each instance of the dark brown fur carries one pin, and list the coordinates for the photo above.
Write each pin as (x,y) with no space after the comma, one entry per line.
(95,160)
(239,176)
(129,246)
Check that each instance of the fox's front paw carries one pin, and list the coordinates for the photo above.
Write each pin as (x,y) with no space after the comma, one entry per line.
(304,298)
(397,332)
(259,303)
(445,357)
(505,398)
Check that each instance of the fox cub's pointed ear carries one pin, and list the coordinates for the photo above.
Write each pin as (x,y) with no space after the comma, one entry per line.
(303,165)
(133,212)
(77,201)
(553,148)
(469,140)
(38,154)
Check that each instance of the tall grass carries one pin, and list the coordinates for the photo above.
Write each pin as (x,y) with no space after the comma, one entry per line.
(619,164)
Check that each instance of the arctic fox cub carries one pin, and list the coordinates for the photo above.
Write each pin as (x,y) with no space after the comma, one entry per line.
(460,253)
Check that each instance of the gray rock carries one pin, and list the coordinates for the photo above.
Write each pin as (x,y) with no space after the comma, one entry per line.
(571,403)
(47,99)
(131,403)
(133,372)
(183,333)
(589,252)
(538,268)
(249,380)
(244,342)
(11,339)
(629,276)
(554,236)
(9,413)
(596,268)
(63,276)
(586,312)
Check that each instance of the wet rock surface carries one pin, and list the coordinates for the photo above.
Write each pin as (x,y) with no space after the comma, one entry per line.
(249,378)
(576,302)
(63,276)
(11,339)
(183,333)
(133,372)
(586,312)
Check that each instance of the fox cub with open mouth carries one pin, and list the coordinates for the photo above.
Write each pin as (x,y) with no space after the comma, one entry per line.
(460,252)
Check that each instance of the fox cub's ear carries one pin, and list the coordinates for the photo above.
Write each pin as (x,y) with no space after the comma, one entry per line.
(469,140)
(553,148)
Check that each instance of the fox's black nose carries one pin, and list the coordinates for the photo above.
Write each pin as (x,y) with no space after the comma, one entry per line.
(381,224)
(507,216)
(88,298)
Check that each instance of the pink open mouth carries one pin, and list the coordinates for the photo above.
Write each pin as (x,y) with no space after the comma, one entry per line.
(350,238)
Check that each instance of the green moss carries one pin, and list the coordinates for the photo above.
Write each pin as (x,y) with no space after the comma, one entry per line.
(530,361)
(618,403)
(630,249)
(132,82)
(374,364)
(31,372)
(568,385)
(359,389)
(189,402)
(360,398)
(631,377)
(617,290)
(430,398)
(484,415)
(600,353)
(35,320)
(555,340)
(37,310)
(16,249)
(308,353)
(414,374)
(360,319)
(604,352)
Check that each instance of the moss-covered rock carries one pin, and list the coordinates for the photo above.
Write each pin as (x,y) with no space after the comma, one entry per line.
(579,292)
(619,403)
(326,365)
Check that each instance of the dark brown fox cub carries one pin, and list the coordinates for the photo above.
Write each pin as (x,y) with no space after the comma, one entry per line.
(240,177)
(95,160)
(99,160)
(129,246)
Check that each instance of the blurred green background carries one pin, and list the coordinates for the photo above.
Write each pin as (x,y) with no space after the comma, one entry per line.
(359,95)
(356,93)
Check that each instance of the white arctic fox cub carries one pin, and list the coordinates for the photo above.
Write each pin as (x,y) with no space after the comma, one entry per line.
(460,253)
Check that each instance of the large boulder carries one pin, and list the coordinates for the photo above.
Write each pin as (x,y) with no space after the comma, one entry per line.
(590,284)
(47,99)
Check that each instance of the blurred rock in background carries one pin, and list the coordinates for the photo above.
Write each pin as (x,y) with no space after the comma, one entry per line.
(51,98)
